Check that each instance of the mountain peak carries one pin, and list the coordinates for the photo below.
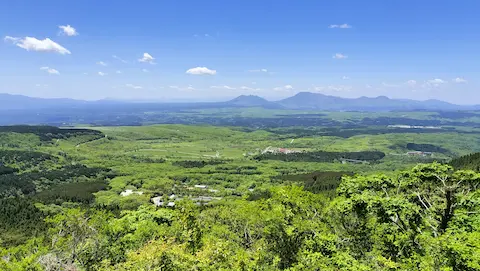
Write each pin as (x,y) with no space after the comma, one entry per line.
(248,100)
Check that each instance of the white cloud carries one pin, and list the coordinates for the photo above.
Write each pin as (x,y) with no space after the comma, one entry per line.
(436,81)
(246,88)
(343,26)
(249,88)
(133,86)
(368,86)
(119,72)
(68,30)
(259,70)
(190,87)
(345,77)
(49,70)
(118,58)
(102,73)
(460,80)
(201,71)
(223,87)
(147,58)
(33,44)
(286,88)
(145,70)
(101,63)
(340,56)
(411,83)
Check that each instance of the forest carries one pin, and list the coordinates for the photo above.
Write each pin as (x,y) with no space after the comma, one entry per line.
(322,156)
(183,197)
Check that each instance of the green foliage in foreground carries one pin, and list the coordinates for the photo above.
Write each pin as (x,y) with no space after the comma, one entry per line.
(425,218)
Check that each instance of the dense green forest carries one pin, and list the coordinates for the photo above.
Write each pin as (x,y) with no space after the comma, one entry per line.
(471,161)
(426,148)
(322,156)
(175,197)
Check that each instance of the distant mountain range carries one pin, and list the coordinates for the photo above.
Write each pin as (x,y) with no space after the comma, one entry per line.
(300,101)
(308,100)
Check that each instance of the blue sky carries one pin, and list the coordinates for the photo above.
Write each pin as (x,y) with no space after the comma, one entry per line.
(214,50)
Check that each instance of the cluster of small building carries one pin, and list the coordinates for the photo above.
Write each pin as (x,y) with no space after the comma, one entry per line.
(279,150)
(419,153)
(129,192)
(414,127)
(169,201)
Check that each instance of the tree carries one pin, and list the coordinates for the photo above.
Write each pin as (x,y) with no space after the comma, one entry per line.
(409,218)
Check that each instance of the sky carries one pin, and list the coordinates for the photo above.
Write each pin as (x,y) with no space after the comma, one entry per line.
(216,49)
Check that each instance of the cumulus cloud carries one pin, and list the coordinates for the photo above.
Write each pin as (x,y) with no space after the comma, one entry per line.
(68,30)
(246,88)
(49,70)
(133,86)
(101,63)
(147,58)
(102,73)
(343,26)
(201,71)
(434,83)
(259,70)
(459,80)
(249,88)
(33,44)
(345,77)
(223,87)
(286,87)
(118,58)
(339,56)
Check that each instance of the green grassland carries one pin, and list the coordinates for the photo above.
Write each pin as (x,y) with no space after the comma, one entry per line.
(120,145)
(268,210)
